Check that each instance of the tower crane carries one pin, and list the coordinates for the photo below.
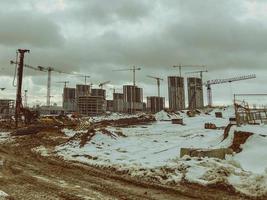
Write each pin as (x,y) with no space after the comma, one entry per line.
(134,69)
(200,73)
(158,82)
(85,78)
(104,83)
(64,82)
(49,70)
(181,66)
(220,81)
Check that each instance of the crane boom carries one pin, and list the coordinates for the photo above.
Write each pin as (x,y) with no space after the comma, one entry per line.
(180,67)
(229,80)
(49,71)
(134,68)
(196,72)
(104,83)
(220,81)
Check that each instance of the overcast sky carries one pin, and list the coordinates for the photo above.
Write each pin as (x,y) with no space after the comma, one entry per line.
(95,37)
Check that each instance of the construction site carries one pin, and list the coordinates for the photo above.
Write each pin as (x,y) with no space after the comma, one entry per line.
(133,146)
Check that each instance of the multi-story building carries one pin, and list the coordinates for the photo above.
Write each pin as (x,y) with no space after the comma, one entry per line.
(176,93)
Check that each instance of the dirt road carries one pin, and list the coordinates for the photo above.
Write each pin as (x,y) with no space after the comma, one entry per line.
(25,174)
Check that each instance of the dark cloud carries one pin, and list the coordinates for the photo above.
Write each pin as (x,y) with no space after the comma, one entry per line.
(29,29)
(96,37)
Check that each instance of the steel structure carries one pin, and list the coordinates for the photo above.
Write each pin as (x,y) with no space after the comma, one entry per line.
(181,66)
(134,69)
(200,72)
(64,82)
(49,71)
(221,81)
(18,108)
(104,83)
(158,82)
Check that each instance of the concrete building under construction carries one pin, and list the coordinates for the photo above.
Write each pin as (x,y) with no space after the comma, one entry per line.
(133,98)
(7,107)
(176,93)
(195,93)
(109,105)
(98,93)
(69,99)
(155,104)
(82,90)
(118,102)
(91,105)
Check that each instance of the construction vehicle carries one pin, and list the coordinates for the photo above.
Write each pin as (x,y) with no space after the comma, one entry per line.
(134,69)
(158,82)
(221,81)
(29,116)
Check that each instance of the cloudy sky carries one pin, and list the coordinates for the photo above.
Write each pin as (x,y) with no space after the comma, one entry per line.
(94,37)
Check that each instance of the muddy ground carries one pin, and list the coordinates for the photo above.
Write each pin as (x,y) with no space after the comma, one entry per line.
(25,174)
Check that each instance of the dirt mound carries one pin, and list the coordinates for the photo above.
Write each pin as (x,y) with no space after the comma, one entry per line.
(240,137)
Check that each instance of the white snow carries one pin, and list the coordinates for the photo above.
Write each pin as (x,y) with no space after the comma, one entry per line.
(4,136)
(153,152)
(3,194)
(41,150)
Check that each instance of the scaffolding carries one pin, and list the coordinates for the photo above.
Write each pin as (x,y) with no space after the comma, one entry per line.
(247,113)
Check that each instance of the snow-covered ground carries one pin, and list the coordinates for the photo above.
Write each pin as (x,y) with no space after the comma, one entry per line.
(153,152)
(4,136)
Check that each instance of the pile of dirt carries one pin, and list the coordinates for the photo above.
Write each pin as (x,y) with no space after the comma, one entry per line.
(240,137)
(143,119)
(33,129)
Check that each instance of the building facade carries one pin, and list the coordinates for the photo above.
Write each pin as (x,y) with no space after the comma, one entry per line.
(69,99)
(91,105)
(176,93)
(155,104)
(118,102)
(195,93)
(133,98)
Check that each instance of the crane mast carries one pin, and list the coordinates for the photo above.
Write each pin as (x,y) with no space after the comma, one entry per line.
(181,66)
(158,82)
(133,69)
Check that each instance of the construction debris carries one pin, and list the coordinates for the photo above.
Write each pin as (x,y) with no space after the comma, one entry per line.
(218,114)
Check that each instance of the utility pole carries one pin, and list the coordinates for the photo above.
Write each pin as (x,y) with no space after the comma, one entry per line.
(19,84)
